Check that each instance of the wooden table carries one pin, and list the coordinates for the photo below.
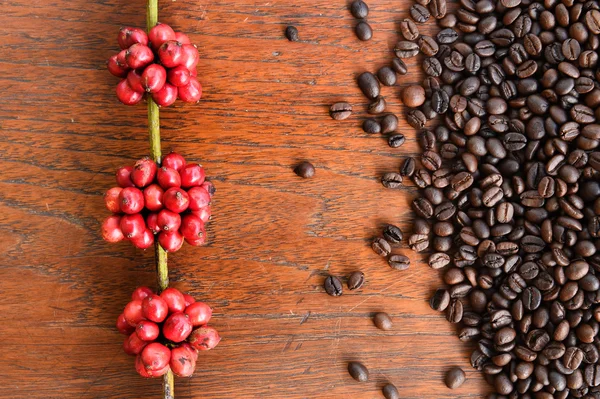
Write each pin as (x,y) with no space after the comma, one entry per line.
(274,236)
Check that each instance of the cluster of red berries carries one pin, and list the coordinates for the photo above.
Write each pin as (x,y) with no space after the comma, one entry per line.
(174,77)
(172,201)
(166,331)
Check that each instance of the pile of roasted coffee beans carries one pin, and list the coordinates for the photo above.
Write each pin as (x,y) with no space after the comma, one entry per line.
(171,201)
(166,331)
(510,178)
(161,63)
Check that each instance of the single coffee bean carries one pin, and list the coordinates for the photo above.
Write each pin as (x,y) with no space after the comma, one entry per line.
(408,167)
(399,66)
(291,32)
(377,106)
(455,377)
(409,29)
(363,31)
(390,392)
(418,242)
(396,140)
(419,13)
(371,126)
(340,111)
(356,280)
(440,300)
(358,371)
(416,119)
(406,49)
(399,262)
(333,286)
(389,123)
(381,247)
(305,169)
(386,76)
(454,312)
(391,180)
(438,10)
(392,234)
(383,321)
(369,85)
(359,9)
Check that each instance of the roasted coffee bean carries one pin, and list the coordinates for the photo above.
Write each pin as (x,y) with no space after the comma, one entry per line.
(419,13)
(408,167)
(383,321)
(454,312)
(439,260)
(305,169)
(399,66)
(377,106)
(381,247)
(438,9)
(333,286)
(406,49)
(455,377)
(409,30)
(392,234)
(391,180)
(359,9)
(371,126)
(386,76)
(428,45)
(390,392)
(369,85)
(440,300)
(399,262)
(358,371)
(291,32)
(363,31)
(418,242)
(340,111)
(396,140)
(356,280)
(416,119)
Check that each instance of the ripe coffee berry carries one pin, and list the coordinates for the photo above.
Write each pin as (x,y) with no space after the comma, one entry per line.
(158,331)
(161,64)
(151,200)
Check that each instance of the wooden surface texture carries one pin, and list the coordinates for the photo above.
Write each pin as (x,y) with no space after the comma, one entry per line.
(274,237)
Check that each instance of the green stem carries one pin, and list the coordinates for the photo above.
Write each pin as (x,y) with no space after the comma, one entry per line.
(160,255)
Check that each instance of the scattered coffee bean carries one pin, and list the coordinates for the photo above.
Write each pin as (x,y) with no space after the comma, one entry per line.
(359,9)
(392,234)
(363,31)
(396,140)
(333,286)
(371,126)
(455,377)
(340,111)
(387,76)
(391,180)
(358,371)
(399,262)
(356,280)
(305,169)
(390,392)
(291,32)
(440,300)
(383,321)
(413,96)
(369,85)
(377,106)
(381,247)
(399,66)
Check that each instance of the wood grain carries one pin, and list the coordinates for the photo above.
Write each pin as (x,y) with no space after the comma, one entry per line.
(274,237)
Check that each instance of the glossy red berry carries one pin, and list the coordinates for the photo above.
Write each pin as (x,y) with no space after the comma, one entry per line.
(199,313)
(182,38)
(208,186)
(115,68)
(199,198)
(145,241)
(176,199)
(134,79)
(131,200)
(203,213)
(127,95)
(174,161)
(144,172)
(124,177)
(179,76)
(204,338)
(111,199)
(122,59)
(165,96)
(133,226)
(177,327)
(190,93)
(170,53)
(168,220)
(133,345)
(168,177)
(170,241)
(188,300)
(154,78)
(111,229)
(155,356)
(128,36)
(192,175)
(197,243)
(190,348)
(141,293)
(133,312)
(155,309)
(140,368)
(153,198)
(160,34)
(192,227)
(189,56)
(124,327)
(147,330)
(152,222)
(174,299)
(138,56)
(183,361)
